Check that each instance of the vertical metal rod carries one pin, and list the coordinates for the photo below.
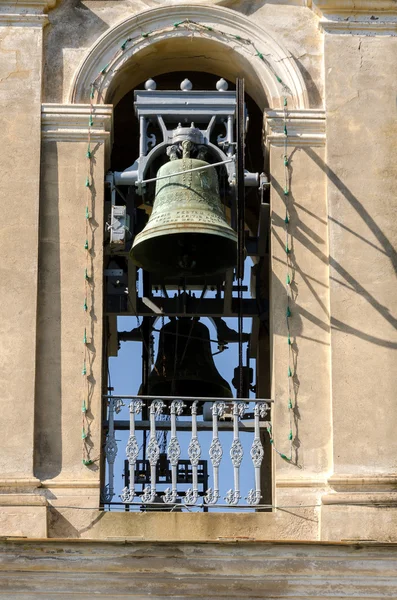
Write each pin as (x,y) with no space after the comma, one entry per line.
(153,452)
(230,134)
(132,452)
(142,136)
(236,454)
(173,452)
(240,190)
(216,452)
(146,327)
(111,448)
(257,452)
(194,452)
(131,457)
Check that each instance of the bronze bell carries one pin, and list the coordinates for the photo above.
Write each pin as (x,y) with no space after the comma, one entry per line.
(187,233)
(184,365)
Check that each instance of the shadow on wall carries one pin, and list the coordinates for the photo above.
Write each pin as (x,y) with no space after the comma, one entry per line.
(310,240)
(249,7)
(347,280)
(315,99)
(47,426)
(60,524)
(72,26)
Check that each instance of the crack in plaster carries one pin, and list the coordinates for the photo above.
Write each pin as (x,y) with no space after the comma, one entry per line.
(361,53)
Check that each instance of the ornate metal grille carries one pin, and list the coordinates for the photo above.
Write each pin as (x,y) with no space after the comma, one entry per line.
(193,481)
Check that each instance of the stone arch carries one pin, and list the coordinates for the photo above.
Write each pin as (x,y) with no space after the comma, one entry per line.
(157,45)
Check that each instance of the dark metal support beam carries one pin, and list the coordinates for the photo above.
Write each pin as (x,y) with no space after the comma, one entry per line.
(122,425)
(206,307)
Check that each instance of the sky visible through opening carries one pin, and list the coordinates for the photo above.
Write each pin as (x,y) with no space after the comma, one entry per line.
(125,378)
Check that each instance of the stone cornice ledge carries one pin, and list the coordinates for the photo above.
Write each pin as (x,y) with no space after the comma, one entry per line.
(360,499)
(31,12)
(364,483)
(69,122)
(365,17)
(334,7)
(301,483)
(19,482)
(22,500)
(305,127)
(70,484)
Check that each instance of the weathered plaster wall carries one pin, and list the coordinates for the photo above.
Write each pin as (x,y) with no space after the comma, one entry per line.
(73,515)
(361,142)
(309,322)
(343,219)
(61,318)
(295,28)
(74,27)
(20,103)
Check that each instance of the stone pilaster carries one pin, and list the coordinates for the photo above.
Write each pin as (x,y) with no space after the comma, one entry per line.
(61,317)
(21,34)
(302,479)
(22,511)
(361,175)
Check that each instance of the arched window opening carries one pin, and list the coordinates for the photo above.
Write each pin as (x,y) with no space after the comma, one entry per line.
(170,335)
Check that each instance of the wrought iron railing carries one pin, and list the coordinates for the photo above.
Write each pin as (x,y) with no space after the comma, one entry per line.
(170,426)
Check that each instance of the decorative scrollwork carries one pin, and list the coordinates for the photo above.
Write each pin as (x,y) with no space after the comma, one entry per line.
(236,453)
(127,495)
(216,452)
(153,452)
(211,496)
(149,495)
(156,407)
(118,405)
(136,406)
(241,408)
(254,497)
(110,449)
(261,408)
(232,497)
(132,449)
(218,408)
(257,452)
(190,497)
(194,407)
(177,407)
(107,494)
(173,451)
(170,496)
(194,451)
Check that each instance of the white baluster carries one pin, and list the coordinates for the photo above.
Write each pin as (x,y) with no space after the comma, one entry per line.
(194,452)
(236,453)
(132,451)
(173,452)
(257,452)
(216,452)
(153,452)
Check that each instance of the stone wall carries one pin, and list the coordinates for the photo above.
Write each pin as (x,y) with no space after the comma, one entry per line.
(338,59)
(131,569)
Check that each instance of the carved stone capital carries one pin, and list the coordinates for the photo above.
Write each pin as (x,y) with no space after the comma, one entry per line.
(305,127)
(70,123)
